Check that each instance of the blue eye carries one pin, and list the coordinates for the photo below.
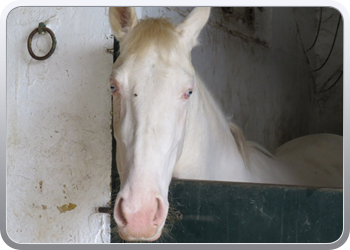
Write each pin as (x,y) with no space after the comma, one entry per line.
(112,88)
(189,93)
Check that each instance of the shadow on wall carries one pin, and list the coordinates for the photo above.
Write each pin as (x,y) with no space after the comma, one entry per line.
(254,60)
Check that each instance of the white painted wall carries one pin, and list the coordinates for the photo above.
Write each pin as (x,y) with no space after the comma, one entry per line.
(58,126)
(261,75)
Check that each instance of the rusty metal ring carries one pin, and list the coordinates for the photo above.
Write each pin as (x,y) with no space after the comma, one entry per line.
(53,47)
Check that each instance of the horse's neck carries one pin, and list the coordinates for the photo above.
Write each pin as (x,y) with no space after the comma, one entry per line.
(209,151)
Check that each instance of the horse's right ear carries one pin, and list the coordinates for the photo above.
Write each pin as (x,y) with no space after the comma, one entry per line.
(122,20)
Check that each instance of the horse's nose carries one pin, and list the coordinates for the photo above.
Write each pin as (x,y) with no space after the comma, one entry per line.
(141,220)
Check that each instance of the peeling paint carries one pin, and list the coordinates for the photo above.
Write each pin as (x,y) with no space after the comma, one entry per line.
(66,207)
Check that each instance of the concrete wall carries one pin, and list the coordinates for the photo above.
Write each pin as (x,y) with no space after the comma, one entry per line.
(259,71)
(325,56)
(58,126)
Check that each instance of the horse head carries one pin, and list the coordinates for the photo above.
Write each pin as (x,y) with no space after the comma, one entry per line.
(152,82)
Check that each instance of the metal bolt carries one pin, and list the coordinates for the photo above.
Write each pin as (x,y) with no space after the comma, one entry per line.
(104,210)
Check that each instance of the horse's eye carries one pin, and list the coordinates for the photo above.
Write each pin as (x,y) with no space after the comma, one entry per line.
(112,88)
(188,93)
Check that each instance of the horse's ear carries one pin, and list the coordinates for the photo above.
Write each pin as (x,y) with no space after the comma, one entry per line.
(193,24)
(122,20)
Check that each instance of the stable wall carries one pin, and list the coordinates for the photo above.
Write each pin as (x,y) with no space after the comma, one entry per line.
(324,52)
(58,126)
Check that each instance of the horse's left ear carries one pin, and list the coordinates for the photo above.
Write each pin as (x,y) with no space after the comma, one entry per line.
(193,24)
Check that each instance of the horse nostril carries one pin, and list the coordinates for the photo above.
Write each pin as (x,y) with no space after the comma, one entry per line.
(119,215)
(159,214)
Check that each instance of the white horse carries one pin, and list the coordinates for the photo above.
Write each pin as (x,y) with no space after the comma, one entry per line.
(167,126)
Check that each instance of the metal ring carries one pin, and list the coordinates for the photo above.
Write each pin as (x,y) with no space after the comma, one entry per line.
(53,47)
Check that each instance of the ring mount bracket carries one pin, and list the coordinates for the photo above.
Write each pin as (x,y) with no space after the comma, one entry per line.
(42,29)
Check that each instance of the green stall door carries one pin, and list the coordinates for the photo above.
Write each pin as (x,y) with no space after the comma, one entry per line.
(221,212)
